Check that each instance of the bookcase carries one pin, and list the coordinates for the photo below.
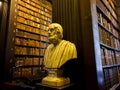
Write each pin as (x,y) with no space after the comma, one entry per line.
(109,33)
(28,37)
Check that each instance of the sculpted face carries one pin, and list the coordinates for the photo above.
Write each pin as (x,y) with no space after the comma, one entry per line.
(54,33)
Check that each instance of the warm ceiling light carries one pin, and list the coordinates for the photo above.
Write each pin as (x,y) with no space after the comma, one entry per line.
(0,2)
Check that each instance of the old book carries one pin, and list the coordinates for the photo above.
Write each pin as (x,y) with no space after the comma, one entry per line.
(103,56)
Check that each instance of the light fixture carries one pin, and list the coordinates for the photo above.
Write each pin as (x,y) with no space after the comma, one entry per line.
(0,3)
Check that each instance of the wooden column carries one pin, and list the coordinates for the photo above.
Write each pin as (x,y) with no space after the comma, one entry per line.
(91,46)
(3,32)
(10,42)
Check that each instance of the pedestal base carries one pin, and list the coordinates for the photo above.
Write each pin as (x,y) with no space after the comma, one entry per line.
(40,86)
(55,78)
(55,81)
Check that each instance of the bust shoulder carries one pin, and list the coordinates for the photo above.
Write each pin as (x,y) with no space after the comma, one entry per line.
(69,43)
(63,42)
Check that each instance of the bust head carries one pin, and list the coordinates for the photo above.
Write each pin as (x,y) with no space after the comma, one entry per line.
(55,32)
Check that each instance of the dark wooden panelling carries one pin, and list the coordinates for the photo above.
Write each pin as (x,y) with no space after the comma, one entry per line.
(1,47)
(66,12)
(9,59)
(3,31)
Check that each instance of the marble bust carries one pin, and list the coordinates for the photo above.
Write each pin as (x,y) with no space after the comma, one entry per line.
(57,53)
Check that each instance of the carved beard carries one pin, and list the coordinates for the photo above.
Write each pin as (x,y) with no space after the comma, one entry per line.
(54,39)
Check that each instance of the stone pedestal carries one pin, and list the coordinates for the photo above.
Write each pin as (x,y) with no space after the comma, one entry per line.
(55,78)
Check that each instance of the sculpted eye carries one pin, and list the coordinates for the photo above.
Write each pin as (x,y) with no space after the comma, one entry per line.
(50,30)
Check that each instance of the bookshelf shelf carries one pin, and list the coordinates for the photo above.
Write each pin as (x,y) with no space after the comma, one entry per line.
(32,32)
(111,66)
(27,55)
(24,37)
(40,33)
(27,46)
(27,66)
(108,47)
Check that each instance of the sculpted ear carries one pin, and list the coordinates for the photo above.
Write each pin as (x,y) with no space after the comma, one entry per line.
(60,35)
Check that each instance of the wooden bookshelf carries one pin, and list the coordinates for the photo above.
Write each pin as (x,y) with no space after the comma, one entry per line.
(109,31)
(29,20)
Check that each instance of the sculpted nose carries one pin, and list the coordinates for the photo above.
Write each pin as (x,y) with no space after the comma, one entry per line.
(48,32)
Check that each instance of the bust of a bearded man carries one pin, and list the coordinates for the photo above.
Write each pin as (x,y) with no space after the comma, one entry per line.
(57,54)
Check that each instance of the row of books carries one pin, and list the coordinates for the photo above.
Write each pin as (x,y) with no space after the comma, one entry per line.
(33,36)
(45,16)
(25,61)
(27,35)
(110,6)
(44,3)
(112,3)
(29,51)
(27,72)
(29,42)
(36,8)
(23,28)
(43,38)
(109,57)
(32,23)
(109,39)
(41,4)
(101,6)
(103,12)
(26,19)
(107,24)
(111,77)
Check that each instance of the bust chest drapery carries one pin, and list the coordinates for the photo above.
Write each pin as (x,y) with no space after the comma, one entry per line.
(56,56)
